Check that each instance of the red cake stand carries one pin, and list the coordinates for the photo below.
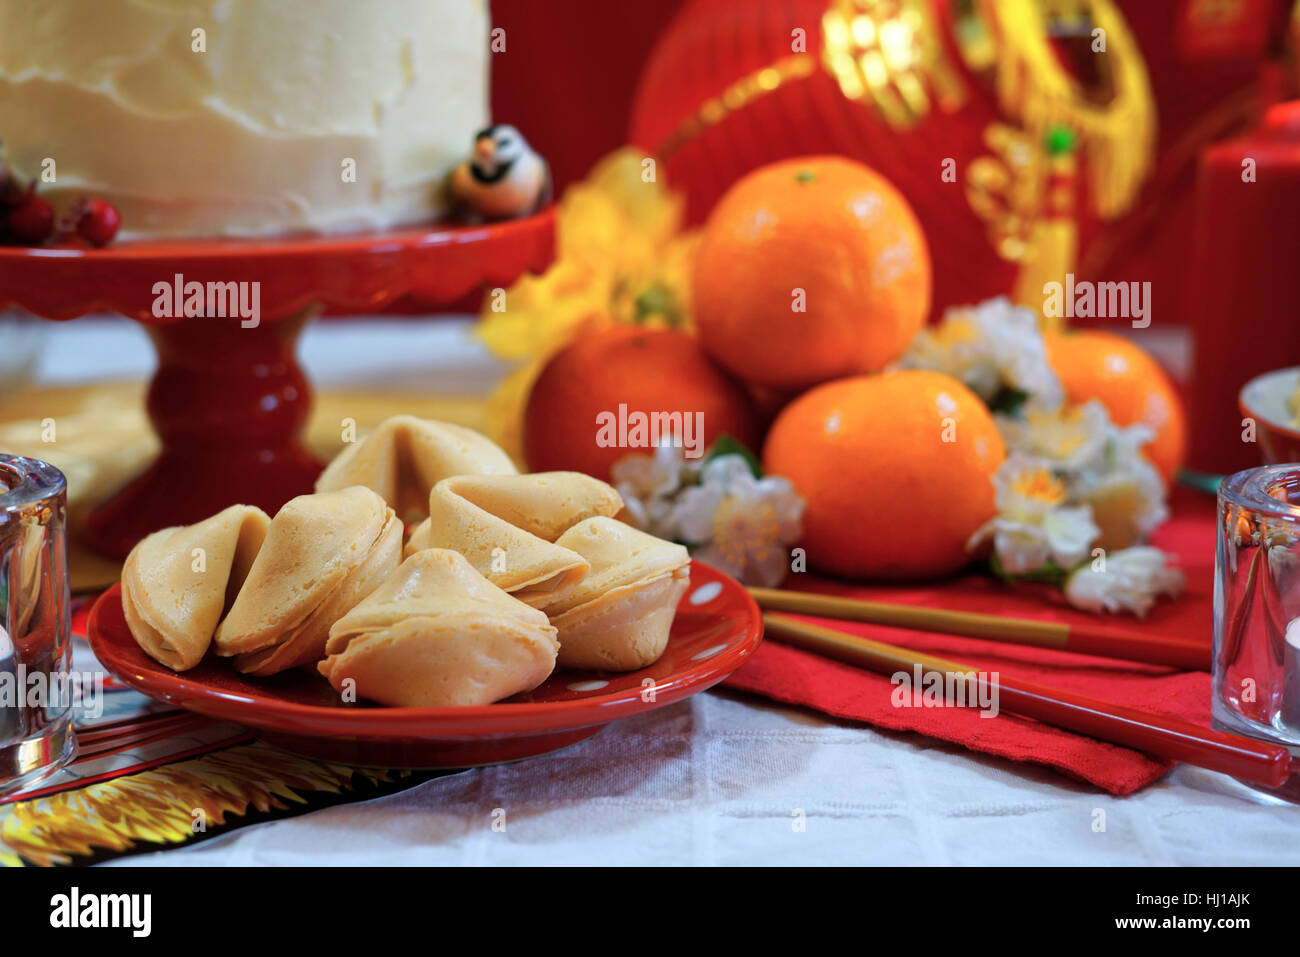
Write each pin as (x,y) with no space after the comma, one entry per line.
(229,400)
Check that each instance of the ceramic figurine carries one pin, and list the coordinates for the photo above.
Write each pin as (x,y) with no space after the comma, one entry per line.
(504,178)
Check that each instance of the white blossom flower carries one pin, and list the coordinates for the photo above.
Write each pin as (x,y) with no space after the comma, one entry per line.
(1124,489)
(1127,580)
(1034,526)
(1072,438)
(1102,466)
(648,483)
(739,524)
(990,347)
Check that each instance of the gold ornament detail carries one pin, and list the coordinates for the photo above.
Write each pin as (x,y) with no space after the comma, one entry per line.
(737,96)
(1005,189)
(883,52)
(1053,246)
(1117,136)
(888,53)
(1025,192)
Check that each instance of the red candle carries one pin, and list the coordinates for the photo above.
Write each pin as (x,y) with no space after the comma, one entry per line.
(1242,298)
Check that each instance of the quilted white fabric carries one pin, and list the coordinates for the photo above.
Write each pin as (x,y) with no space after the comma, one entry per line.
(726,779)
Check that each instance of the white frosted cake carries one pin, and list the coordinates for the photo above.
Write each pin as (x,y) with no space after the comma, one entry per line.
(253,136)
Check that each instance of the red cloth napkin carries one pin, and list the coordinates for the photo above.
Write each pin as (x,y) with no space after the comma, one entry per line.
(801,677)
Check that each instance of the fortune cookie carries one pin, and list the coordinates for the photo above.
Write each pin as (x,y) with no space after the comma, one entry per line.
(437,634)
(404,457)
(177,582)
(322,555)
(507,526)
(618,617)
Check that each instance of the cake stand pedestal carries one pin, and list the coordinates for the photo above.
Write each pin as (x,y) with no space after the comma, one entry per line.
(229,399)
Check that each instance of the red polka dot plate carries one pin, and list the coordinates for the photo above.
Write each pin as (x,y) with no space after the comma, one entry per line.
(716,629)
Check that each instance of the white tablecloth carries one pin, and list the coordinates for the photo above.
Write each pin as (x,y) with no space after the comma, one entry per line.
(722,778)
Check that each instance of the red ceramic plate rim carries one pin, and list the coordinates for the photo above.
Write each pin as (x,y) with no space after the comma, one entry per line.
(437,264)
(468,722)
(232,247)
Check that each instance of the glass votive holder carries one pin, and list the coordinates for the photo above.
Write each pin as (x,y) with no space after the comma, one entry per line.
(1256,688)
(36,690)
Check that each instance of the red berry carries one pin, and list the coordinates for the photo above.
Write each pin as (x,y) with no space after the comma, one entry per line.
(98,222)
(13,193)
(32,220)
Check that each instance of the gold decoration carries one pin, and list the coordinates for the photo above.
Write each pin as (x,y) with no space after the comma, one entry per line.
(1005,189)
(883,52)
(1118,135)
(1026,193)
(158,806)
(1053,245)
(888,52)
(739,95)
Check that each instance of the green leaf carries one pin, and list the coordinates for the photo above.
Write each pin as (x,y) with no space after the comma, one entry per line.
(1049,573)
(728,445)
(1008,401)
(658,300)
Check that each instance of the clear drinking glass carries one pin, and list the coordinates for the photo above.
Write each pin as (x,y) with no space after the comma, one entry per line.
(1257,609)
(36,689)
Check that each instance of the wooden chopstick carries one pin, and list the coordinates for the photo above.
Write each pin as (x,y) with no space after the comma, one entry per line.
(1170,738)
(1128,645)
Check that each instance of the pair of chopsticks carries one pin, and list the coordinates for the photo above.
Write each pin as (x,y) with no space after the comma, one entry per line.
(1111,643)
(1169,738)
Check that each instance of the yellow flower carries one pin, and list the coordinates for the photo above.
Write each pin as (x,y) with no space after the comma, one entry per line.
(620,200)
(539,314)
(1039,485)
(1034,526)
(1070,437)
